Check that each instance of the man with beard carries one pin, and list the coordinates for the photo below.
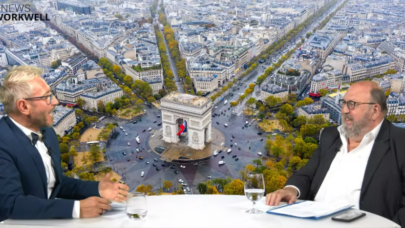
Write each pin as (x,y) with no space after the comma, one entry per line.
(31,176)
(360,163)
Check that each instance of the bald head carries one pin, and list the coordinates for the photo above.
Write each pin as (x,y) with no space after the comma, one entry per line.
(372,92)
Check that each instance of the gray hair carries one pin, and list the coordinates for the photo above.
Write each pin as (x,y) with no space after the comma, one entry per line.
(378,96)
(16,86)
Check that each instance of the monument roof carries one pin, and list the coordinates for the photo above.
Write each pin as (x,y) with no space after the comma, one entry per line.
(188,99)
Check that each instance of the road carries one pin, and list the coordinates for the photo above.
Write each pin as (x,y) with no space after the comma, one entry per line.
(126,163)
(274,57)
(179,84)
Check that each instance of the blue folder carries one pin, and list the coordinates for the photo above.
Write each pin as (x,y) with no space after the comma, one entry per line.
(313,217)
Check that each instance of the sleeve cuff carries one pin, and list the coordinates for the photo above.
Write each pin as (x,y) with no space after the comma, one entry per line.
(299,193)
(76,209)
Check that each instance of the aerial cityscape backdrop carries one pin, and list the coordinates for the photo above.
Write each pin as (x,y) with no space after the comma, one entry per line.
(187,96)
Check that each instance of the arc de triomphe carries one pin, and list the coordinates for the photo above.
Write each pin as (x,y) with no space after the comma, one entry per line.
(196,111)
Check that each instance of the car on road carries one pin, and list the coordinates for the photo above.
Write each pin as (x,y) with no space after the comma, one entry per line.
(209,177)
(155,159)
(140,158)
(226,125)
(259,153)
(128,160)
(144,130)
(123,153)
(134,122)
(215,153)
(154,164)
(195,163)
(150,129)
(176,172)
(126,133)
(155,121)
(129,144)
(181,181)
(184,184)
(234,156)
(222,157)
(236,159)
(147,162)
(159,124)
(220,151)
(188,189)
(261,139)
(157,168)
(229,150)
(218,123)
(221,163)
(158,116)
(182,166)
(142,174)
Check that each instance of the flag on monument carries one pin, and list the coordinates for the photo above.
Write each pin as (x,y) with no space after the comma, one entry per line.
(182,128)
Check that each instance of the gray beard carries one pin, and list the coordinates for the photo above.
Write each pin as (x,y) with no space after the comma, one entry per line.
(357,129)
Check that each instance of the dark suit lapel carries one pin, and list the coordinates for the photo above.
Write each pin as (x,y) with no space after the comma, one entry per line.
(326,162)
(380,148)
(55,162)
(27,144)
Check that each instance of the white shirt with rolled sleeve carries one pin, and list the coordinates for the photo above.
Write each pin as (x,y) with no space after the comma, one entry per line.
(49,170)
(345,176)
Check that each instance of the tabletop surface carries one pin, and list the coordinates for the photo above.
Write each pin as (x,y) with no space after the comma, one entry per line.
(187,211)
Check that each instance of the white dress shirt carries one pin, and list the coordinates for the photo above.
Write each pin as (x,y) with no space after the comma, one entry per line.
(49,170)
(345,176)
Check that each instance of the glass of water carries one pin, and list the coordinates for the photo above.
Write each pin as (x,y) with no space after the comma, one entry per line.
(136,205)
(254,190)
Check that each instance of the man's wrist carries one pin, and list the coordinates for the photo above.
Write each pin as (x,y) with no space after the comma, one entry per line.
(292,190)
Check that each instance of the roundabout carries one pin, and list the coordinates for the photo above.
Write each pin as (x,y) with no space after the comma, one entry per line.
(181,152)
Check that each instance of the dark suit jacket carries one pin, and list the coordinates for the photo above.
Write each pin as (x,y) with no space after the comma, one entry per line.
(23,181)
(383,187)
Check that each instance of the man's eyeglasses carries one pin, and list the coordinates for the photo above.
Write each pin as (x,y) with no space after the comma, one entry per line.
(47,98)
(352,104)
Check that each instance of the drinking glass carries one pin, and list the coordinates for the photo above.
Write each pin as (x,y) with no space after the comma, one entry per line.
(136,205)
(254,190)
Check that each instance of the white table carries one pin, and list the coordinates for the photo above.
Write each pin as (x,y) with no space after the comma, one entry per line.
(202,211)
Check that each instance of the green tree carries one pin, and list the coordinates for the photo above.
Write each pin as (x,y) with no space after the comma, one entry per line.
(167,184)
(80,102)
(287,109)
(94,150)
(128,80)
(323,92)
(257,162)
(236,187)
(100,106)
(116,69)
(308,101)
(273,101)
(300,104)
(79,113)
(299,121)
(392,118)
(202,188)
(63,148)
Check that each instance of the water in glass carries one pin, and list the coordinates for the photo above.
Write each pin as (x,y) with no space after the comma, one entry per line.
(136,206)
(254,190)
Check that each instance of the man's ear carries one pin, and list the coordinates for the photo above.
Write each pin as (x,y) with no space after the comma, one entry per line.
(23,107)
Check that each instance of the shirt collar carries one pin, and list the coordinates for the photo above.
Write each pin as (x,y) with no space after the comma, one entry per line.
(372,135)
(25,130)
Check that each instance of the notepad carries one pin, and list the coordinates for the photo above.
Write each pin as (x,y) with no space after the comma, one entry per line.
(310,209)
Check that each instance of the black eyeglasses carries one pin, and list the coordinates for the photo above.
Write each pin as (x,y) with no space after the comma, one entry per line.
(47,98)
(352,104)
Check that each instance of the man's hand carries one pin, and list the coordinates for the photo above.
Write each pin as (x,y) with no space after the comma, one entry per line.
(287,194)
(112,190)
(93,207)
